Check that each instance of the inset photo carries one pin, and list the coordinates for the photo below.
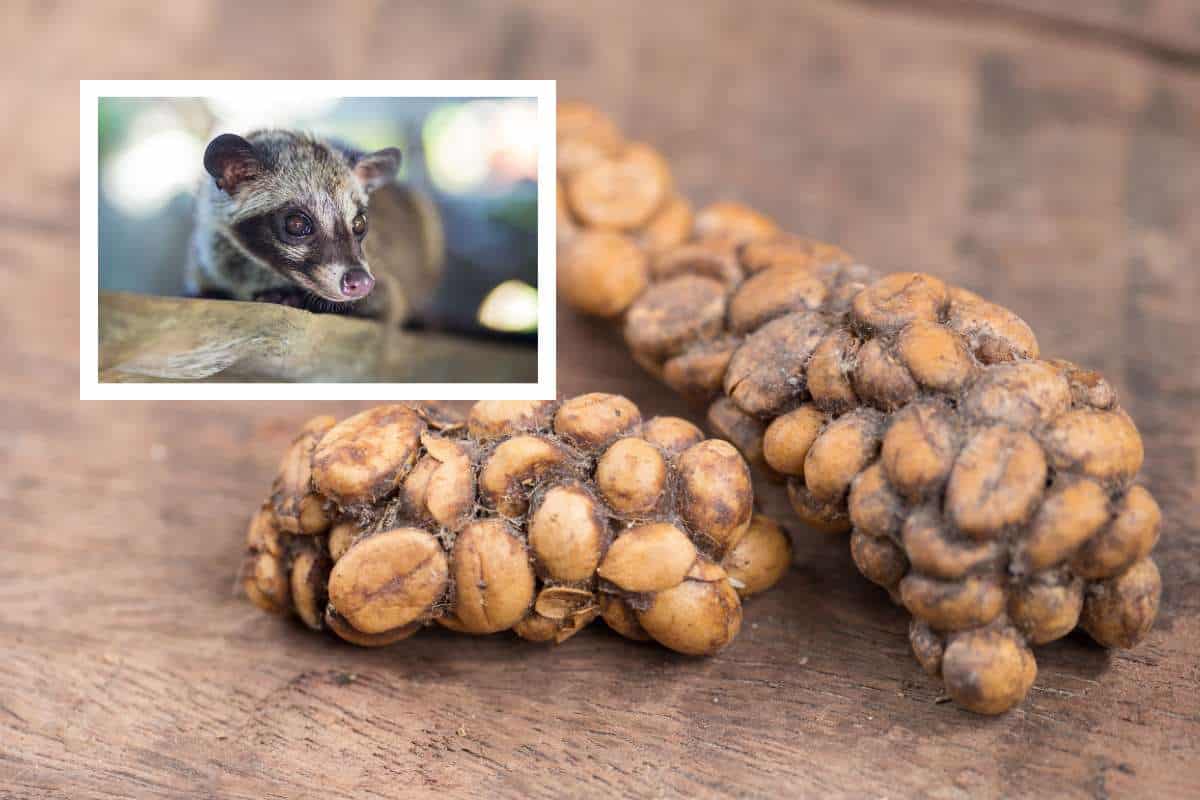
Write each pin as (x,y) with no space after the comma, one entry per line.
(356,240)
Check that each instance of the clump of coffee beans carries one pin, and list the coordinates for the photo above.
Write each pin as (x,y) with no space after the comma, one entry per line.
(535,517)
(988,490)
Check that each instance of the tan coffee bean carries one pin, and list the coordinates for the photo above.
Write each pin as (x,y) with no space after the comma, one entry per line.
(585,136)
(879,560)
(919,449)
(672,435)
(573,610)
(514,469)
(993,333)
(648,558)
(567,534)
(305,516)
(760,559)
(785,250)
(443,416)
(1088,388)
(773,293)
(602,272)
(389,580)
(937,552)
(493,582)
(707,258)
(364,458)
(631,475)
(735,426)
(816,513)
(953,605)
(416,486)
(562,602)
(673,314)
(895,300)
(450,493)
(845,447)
(297,509)
(881,380)
(699,616)
(734,221)
(447,417)
(935,356)
(618,615)
(766,374)
(698,372)
(1119,611)
(1072,511)
(789,437)
(452,623)
(310,575)
(1129,537)
(717,497)
(263,534)
(573,624)
(593,420)
(1104,445)
(579,153)
(313,517)
(622,191)
(493,419)
(669,227)
(996,482)
(988,671)
(266,582)
(829,373)
(536,628)
(341,536)
(927,645)
(1046,607)
(1022,395)
(338,624)
(874,506)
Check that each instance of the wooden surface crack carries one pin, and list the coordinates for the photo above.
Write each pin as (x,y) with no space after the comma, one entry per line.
(1074,29)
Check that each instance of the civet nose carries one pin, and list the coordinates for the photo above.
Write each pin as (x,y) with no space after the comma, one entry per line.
(357,283)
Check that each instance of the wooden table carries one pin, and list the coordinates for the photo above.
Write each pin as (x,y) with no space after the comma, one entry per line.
(1049,158)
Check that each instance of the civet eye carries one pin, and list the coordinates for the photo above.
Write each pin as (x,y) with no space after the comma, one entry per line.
(359,225)
(298,225)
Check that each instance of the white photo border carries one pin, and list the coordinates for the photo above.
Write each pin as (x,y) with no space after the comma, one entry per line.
(90,386)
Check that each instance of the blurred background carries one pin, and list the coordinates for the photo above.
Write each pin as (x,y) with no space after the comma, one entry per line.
(477,159)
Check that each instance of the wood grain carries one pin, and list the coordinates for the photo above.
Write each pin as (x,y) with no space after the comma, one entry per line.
(1164,32)
(146,338)
(1054,172)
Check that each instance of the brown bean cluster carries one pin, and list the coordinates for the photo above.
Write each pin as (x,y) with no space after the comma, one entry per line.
(990,491)
(619,214)
(535,517)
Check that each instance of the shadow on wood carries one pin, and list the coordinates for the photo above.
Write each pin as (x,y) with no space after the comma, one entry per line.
(150,339)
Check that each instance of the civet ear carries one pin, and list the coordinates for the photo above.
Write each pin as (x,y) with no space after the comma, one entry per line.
(232,161)
(377,169)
